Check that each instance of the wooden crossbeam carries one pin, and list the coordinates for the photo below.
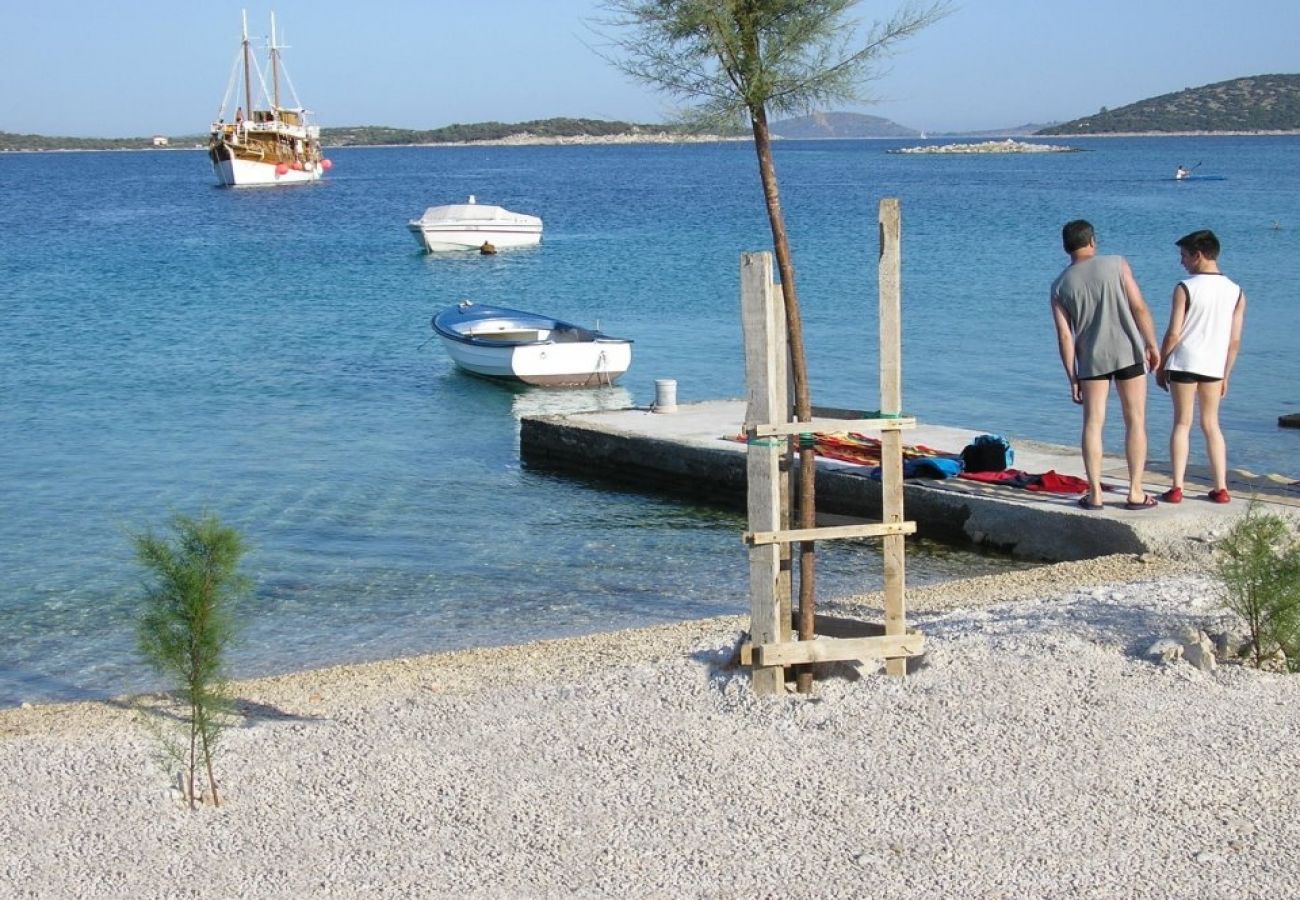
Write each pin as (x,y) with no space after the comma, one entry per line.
(828,533)
(790,653)
(900,423)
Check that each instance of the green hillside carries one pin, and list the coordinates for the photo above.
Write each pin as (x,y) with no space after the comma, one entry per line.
(486,131)
(11,142)
(369,135)
(1257,103)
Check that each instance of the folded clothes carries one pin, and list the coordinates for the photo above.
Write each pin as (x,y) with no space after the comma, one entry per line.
(1049,482)
(926,467)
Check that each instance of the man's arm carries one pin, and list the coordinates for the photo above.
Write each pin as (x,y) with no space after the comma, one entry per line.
(1173,334)
(1142,316)
(1234,342)
(1065,344)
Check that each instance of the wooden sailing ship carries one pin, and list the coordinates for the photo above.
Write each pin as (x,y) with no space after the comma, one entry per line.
(269,142)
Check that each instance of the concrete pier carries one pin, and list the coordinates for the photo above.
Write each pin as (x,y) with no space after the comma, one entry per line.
(691,452)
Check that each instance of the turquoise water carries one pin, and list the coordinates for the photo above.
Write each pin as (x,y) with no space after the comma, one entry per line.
(166,346)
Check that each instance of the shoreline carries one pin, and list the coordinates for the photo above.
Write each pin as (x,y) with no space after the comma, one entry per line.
(664,138)
(27,718)
(1033,751)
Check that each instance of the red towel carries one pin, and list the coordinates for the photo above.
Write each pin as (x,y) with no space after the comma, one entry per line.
(1052,483)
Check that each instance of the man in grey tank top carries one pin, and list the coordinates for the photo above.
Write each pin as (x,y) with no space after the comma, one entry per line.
(1104,333)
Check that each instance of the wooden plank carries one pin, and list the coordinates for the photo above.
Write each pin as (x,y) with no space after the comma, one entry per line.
(765,403)
(826,626)
(829,533)
(892,648)
(840,426)
(891,400)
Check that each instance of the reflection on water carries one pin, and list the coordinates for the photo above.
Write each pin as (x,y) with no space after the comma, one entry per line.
(534,401)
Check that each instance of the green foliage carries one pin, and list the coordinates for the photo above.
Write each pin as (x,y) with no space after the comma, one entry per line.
(488,131)
(1258,103)
(185,627)
(732,58)
(13,142)
(1259,565)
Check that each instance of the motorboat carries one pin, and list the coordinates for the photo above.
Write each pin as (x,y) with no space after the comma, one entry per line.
(512,345)
(470,225)
(272,143)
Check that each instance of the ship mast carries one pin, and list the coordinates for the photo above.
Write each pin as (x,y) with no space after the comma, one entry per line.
(248,78)
(275,72)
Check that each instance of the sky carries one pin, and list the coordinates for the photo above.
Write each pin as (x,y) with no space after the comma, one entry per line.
(89,68)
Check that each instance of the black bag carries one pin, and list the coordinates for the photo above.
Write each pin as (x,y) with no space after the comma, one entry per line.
(988,453)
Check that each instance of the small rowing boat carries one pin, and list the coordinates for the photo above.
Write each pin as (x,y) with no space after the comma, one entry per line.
(512,345)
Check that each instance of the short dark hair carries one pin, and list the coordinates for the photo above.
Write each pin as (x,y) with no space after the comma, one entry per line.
(1203,242)
(1076,235)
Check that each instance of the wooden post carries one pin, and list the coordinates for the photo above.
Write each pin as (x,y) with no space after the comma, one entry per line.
(762,320)
(891,403)
(785,398)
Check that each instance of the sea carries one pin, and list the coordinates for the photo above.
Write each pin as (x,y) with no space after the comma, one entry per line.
(170,348)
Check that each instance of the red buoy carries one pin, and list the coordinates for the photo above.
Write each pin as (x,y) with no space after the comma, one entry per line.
(326,164)
(281,169)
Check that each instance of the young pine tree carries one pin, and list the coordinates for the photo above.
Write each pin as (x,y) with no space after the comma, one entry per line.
(1259,566)
(185,627)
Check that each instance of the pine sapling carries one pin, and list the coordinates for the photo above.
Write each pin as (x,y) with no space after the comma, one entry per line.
(1258,564)
(185,627)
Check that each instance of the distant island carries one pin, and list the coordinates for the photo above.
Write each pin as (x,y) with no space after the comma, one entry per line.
(1254,104)
(1260,103)
(539,131)
(840,125)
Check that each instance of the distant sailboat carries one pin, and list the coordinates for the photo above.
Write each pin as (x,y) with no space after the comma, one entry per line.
(273,144)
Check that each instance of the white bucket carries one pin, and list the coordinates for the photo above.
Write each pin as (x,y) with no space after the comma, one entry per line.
(665,396)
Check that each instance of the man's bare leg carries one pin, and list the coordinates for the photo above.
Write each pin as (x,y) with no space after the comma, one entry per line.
(1133,400)
(1094,393)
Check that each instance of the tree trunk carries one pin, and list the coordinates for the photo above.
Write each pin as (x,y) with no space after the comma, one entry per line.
(799,371)
(193,750)
(207,761)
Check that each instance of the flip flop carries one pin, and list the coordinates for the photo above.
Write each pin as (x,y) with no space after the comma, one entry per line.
(1147,502)
(1084,503)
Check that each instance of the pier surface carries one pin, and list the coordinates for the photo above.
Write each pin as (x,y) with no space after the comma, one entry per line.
(693,452)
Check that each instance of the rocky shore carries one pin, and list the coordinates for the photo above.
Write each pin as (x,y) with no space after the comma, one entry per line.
(1035,751)
(1005,146)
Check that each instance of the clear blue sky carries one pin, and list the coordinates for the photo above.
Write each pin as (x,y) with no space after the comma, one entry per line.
(140,67)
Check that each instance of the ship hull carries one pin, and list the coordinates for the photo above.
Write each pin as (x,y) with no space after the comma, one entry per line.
(233,172)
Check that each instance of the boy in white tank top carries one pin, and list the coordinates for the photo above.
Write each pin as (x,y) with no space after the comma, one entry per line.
(1198,354)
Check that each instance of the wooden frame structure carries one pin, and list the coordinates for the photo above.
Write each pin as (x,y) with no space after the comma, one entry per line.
(769,432)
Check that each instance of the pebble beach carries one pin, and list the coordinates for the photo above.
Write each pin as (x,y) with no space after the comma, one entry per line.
(1034,751)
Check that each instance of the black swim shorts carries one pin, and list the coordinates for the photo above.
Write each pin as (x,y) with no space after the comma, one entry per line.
(1189,377)
(1124,374)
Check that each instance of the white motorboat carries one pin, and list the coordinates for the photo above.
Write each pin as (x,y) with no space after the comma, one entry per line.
(273,143)
(470,225)
(511,345)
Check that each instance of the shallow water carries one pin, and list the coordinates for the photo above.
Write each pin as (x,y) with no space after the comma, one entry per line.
(166,347)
